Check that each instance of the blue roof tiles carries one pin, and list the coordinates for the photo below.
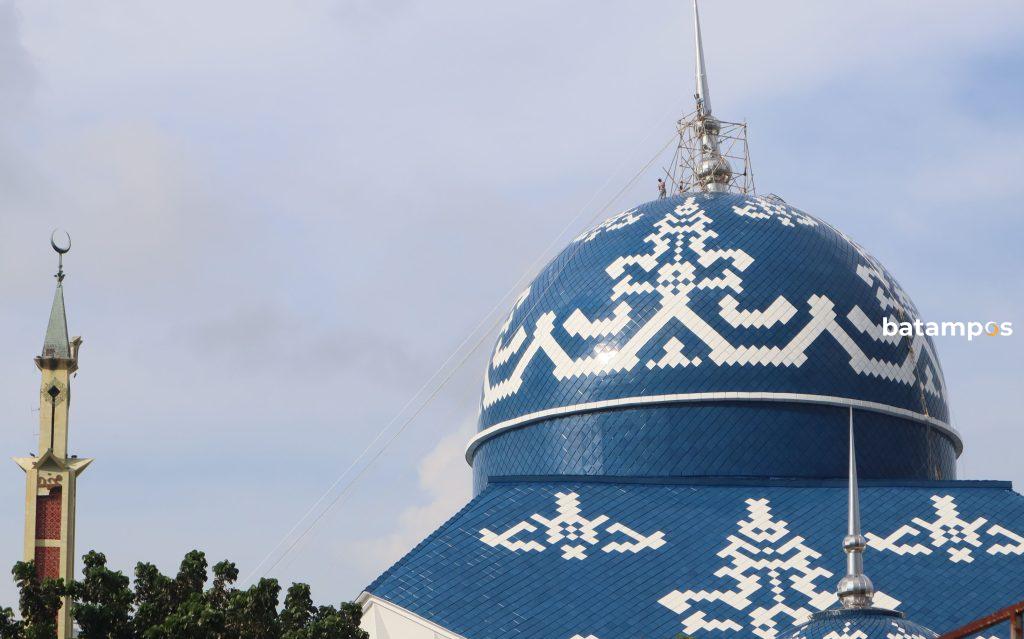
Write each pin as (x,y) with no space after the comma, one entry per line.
(551,559)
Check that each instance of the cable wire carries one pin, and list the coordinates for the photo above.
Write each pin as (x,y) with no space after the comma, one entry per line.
(528,274)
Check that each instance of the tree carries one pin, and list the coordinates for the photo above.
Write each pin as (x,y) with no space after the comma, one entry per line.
(252,613)
(107,606)
(298,611)
(183,608)
(333,623)
(191,578)
(103,601)
(300,619)
(225,573)
(152,598)
(38,601)
(10,628)
(193,618)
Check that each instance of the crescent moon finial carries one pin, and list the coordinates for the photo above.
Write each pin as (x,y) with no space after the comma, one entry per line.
(60,240)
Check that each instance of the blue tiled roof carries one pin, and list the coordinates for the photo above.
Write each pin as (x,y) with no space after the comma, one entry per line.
(548,558)
(701,299)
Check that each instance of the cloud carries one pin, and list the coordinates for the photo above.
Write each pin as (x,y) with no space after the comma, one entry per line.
(444,487)
(19,77)
(276,341)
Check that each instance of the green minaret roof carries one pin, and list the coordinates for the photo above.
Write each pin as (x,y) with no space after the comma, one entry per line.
(56,344)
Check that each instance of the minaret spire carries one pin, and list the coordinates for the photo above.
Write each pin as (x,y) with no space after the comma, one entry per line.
(713,171)
(855,589)
(56,344)
(703,95)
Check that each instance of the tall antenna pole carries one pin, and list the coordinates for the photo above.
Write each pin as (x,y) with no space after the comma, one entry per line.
(855,589)
(713,172)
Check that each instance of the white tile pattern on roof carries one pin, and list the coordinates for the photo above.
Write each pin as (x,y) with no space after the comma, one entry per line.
(958,536)
(764,554)
(576,530)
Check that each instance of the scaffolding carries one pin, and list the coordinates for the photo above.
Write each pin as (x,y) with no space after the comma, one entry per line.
(684,171)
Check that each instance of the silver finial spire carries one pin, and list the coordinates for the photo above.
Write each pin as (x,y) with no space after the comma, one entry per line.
(855,589)
(713,172)
(708,147)
(703,95)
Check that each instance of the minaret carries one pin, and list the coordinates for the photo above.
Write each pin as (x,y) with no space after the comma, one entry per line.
(855,589)
(713,171)
(51,475)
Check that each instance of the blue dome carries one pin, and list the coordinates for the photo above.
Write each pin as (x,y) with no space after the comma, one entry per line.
(712,335)
(863,623)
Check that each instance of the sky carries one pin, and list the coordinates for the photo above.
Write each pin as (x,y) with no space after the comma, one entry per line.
(288,216)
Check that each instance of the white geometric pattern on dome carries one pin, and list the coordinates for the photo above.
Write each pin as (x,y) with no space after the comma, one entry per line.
(846,633)
(682,258)
(772,208)
(900,632)
(576,530)
(615,222)
(957,535)
(582,637)
(892,299)
(764,550)
(502,355)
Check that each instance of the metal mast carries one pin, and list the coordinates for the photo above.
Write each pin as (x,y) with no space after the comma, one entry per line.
(707,144)
(855,589)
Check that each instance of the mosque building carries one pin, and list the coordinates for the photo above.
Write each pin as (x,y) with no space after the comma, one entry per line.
(664,442)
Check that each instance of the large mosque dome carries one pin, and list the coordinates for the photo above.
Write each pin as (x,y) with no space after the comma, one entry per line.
(712,334)
(672,425)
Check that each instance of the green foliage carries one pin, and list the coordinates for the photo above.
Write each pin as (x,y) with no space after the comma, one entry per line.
(10,628)
(300,619)
(107,606)
(252,613)
(224,575)
(332,623)
(298,611)
(38,601)
(103,601)
(152,598)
